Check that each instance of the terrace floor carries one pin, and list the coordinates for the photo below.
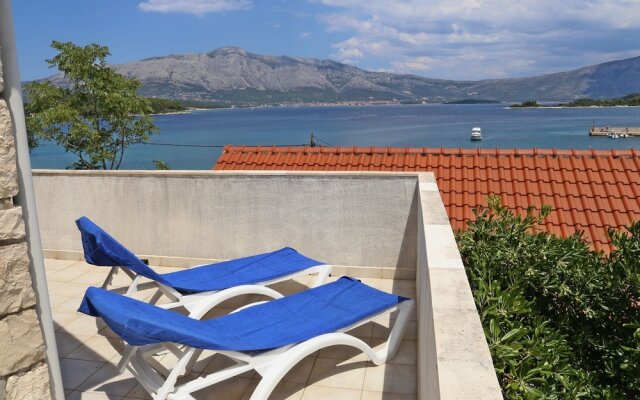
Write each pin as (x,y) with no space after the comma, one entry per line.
(89,355)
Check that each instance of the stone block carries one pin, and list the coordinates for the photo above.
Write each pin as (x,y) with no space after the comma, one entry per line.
(21,342)
(15,279)
(32,385)
(8,174)
(11,224)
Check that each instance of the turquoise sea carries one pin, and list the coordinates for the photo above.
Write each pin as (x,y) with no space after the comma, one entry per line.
(380,125)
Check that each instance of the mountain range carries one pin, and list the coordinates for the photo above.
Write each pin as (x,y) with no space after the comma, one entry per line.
(234,75)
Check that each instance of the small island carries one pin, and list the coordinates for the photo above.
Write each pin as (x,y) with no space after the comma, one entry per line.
(631,100)
(473,101)
(170,106)
(526,104)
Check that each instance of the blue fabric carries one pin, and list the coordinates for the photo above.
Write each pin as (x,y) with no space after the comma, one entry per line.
(103,250)
(277,323)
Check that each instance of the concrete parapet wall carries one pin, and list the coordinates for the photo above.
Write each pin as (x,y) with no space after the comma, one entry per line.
(454,362)
(344,219)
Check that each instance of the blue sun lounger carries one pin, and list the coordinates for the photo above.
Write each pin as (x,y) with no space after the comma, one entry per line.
(247,275)
(270,337)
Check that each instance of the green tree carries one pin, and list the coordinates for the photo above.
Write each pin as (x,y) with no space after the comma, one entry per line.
(96,116)
(562,320)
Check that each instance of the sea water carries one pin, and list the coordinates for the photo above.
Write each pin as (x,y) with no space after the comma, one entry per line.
(435,125)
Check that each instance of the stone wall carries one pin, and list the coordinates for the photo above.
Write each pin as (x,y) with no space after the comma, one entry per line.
(23,371)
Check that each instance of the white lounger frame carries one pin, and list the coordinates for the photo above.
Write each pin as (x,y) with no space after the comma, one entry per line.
(193,302)
(272,365)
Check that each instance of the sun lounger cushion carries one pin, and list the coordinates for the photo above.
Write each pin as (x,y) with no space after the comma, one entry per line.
(269,325)
(103,250)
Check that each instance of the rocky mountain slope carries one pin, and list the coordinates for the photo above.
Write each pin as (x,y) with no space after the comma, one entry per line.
(235,75)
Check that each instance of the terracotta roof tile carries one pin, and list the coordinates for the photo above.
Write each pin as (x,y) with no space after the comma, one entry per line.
(589,190)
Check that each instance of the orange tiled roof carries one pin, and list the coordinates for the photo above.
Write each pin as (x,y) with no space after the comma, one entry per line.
(589,190)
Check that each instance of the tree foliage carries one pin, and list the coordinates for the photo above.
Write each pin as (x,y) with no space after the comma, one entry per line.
(562,321)
(97,116)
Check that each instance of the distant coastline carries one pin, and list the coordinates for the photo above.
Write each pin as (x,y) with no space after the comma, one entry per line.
(631,100)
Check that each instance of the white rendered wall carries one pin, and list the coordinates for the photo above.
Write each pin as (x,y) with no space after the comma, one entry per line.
(344,219)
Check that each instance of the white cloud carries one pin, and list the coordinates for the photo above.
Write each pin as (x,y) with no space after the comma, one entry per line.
(305,35)
(474,39)
(413,64)
(197,7)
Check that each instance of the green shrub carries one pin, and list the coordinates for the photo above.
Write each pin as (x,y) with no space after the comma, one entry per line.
(562,321)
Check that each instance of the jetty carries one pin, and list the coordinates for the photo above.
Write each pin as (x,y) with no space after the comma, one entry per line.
(614,131)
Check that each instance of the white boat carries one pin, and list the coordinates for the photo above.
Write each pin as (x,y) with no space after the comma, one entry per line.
(476,133)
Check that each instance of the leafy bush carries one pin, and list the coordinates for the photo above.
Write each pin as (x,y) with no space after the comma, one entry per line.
(562,321)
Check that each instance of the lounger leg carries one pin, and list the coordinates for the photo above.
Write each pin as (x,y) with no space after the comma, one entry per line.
(176,372)
(133,287)
(322,276)
(193,360)
(156,296)
(126,357)
(109,278)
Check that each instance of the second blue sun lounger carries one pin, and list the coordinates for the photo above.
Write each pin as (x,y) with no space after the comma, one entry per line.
(102,249)
(270,337)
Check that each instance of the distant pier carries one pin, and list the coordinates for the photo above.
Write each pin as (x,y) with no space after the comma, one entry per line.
(614,130)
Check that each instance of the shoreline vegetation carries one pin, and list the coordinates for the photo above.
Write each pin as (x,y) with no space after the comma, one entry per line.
(163,106)
(631,100)
(160,106)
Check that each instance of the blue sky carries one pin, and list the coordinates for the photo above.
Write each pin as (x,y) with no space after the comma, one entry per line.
(452,39)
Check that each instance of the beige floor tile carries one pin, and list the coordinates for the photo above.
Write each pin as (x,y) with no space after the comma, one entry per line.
(406,355)
(78,395)
(284,391)
(368,395)
(343,353)
(288,287)
(108,380)
(94,277)
(381,329)
(69,307)
(305,280)
(60,320)
(219,362)
(83,325)
(392,378)
(67,343)
(330,393)
(98,348)
(65,275)
(240,301)
(138,392)
(364,331)
(301,371)
(230,389)
(52,264)
(337,374)
(55,300)
(75,372)
(69,289)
